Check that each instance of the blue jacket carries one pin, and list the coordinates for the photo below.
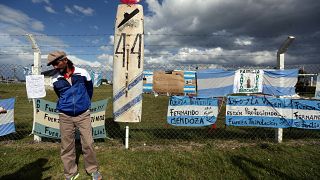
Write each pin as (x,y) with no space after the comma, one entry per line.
(75,98)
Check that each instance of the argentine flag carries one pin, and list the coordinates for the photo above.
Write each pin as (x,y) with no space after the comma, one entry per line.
(280,82)
(215,82)
(189,78)
(7,116)
(147,81)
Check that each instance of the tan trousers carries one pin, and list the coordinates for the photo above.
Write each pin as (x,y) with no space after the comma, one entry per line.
(68,125)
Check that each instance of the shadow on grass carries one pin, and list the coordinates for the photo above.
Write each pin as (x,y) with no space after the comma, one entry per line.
(251,167)
(32,170)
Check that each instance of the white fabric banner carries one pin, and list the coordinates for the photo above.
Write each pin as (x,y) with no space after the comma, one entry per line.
(248,81)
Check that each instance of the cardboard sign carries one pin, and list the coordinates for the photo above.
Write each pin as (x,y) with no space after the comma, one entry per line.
(168,82)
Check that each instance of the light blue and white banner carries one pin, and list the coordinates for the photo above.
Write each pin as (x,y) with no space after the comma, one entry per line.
(280,82)
(317,93)
(96,78)
(7,116)
(47,119)
(192,111)
(215,82)
(27,71)
(306,114)
(147,81)
(190,80)
(259,111)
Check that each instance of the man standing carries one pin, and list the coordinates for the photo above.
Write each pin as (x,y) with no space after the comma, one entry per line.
(74,89)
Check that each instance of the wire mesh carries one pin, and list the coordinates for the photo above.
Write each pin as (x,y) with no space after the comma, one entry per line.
(153,128)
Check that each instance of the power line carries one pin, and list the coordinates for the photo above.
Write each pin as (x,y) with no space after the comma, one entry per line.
(167,54)
(161,34)
(165,45)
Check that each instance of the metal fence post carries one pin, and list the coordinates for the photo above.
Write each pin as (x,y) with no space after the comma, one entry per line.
(280,65)
(36,70)
(127,137)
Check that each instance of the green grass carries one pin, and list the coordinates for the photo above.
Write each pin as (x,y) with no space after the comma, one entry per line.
(161,151)
(215,160)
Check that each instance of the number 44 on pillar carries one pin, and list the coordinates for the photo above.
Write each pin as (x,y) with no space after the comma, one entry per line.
(128,62)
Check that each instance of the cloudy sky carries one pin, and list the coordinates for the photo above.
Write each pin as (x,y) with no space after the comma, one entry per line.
(219,32)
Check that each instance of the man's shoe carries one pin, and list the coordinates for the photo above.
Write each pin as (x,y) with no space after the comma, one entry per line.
(73,177)
(96,175)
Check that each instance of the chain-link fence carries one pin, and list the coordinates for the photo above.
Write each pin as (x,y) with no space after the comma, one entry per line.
(153,127)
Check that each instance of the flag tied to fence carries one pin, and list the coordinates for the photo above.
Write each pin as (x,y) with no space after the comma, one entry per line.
(7,116)
(192,111)
(219,82)
(317,93)
(47,119)
(215,82)
(263,111)
(280,82)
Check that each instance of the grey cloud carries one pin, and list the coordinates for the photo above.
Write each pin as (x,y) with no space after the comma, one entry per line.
(208,24)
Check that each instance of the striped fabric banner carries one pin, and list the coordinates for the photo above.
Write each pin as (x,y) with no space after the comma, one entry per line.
(7,116)
(192,111)
(147,81)
(215,82)
(306,114)
(96,78)
(258,111)
(47,119)
(317,93)
(189,79)
(280,82)
(272,112)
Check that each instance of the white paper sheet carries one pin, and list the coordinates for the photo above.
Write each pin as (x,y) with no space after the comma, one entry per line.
(35,86)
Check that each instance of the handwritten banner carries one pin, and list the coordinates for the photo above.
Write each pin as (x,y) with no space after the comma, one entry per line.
(47,119)
(191,111)
(272,112)
(306,114)
(257,111)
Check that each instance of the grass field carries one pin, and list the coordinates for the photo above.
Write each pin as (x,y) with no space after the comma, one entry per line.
(160,151)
